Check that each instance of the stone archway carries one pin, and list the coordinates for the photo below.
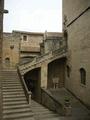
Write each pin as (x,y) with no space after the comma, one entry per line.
(33,82)
(56,73)
(7,62)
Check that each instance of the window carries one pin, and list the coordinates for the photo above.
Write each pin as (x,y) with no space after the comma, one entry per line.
(7,61)
(68,71)
(83,76)
(24,37)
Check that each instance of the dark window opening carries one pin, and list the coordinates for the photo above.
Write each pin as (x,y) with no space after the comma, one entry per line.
(7,61)
(68,71)
(83,76)
(25,38)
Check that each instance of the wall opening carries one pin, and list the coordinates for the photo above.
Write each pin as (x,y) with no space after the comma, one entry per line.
(33,82)
(83,76)
(7,62)
(56,73)
(68,71)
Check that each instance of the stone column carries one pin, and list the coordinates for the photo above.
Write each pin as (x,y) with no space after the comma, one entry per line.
(44,75)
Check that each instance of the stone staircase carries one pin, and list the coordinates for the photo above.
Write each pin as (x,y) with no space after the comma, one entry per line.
(15,106)
(42,113)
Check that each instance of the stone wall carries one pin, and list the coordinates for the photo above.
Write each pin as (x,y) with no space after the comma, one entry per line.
(1,26)
(10,50)
(56,73)
(17,49)
(29,44)
(78,46)
(33,81)
(50,102)
(52,41)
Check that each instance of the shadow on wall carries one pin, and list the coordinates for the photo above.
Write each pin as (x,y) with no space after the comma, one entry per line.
(33,82)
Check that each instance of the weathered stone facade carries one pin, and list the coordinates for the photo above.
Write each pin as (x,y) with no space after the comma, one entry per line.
(1,26)
(50,65)
(20,47)
(51,42)
(10,50)
(77,14)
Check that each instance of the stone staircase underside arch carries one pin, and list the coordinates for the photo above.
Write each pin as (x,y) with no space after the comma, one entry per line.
(47,58)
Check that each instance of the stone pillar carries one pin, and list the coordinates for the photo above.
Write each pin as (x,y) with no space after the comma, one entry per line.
(44,75)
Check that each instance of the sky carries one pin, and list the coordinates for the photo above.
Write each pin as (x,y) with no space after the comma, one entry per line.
(33,15)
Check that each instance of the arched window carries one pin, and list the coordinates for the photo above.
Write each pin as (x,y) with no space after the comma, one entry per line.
(7,62)
(83,76)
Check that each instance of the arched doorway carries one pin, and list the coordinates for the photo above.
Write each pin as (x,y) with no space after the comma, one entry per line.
(33,82)
(56,73)
(7,62)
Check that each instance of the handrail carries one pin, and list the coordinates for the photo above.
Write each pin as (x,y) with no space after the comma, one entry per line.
(55,101)
(20,64)
(27,92)
(44,57)
(50,95)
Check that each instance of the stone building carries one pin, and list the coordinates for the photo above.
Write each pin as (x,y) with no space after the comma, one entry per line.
(1,26)
(20,47)
(47,70)
(76,23)
(51,42)
(47,64)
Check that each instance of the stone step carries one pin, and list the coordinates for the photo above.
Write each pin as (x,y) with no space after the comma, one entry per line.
(12,90)
(19,110)
(6,76)
(18,115)
(43,112)
(15,106)
(11,84)
(14,99)
(40,109)
(9,77)
(10,81)
(18,92)
(28,118)
(5,96)
(12,87)
(22,106)
(38,106)
(8,71)
(9,74)
(14,103)
(56,118)
(47,115)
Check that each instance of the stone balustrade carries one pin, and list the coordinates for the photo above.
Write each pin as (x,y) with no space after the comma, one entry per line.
(46,57)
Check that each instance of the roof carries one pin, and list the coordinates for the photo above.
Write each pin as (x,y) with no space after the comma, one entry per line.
(30,33)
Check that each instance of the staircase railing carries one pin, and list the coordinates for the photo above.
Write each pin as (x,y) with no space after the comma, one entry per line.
(50,102)
(44,57)
(27,92)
